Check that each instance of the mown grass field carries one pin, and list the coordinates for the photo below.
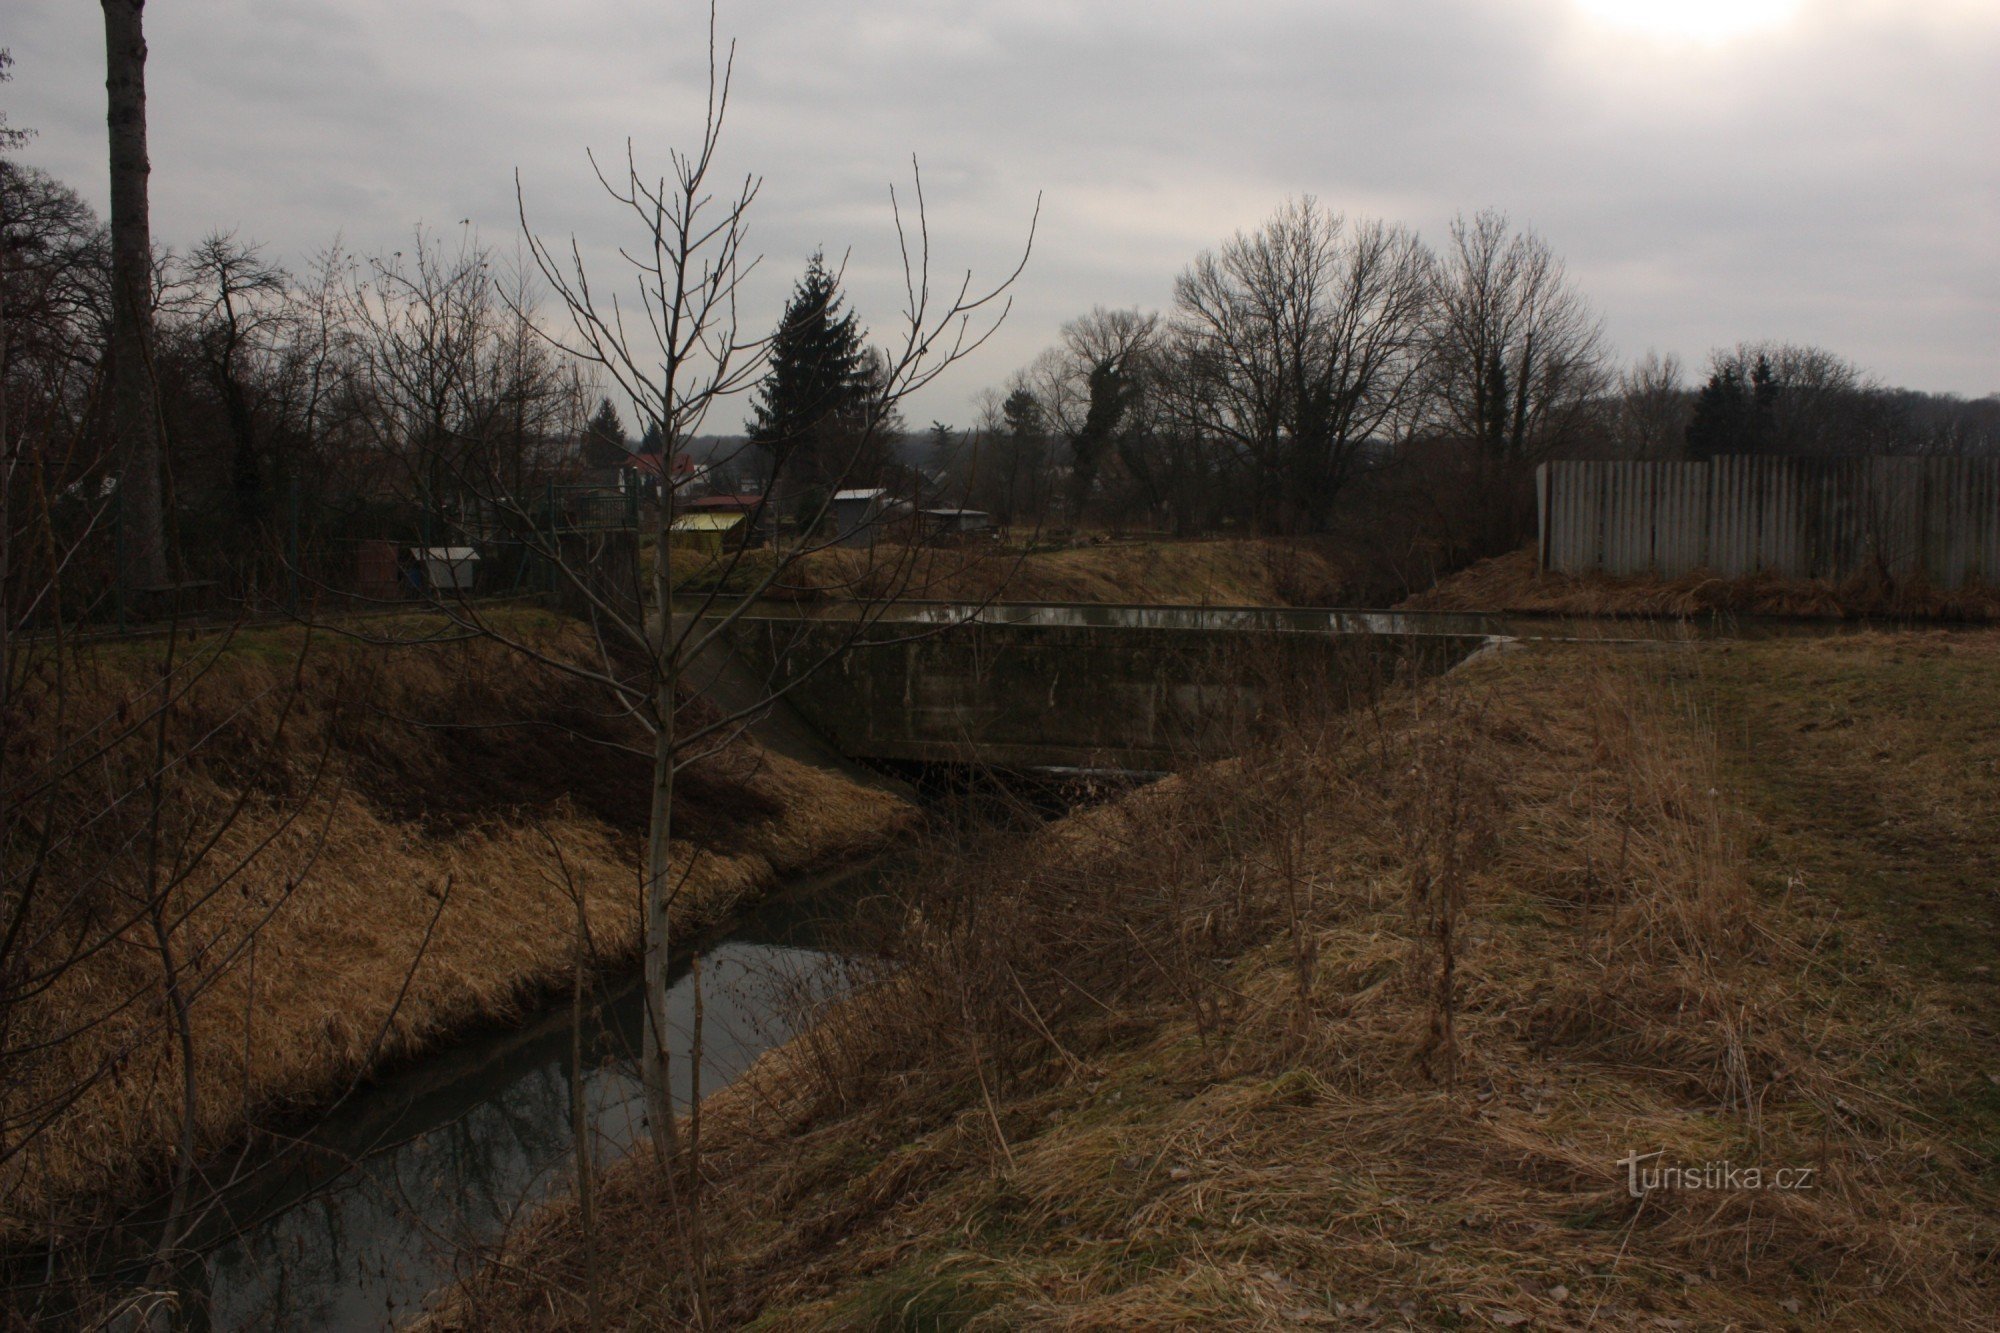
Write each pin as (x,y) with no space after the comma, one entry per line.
(1359,1031)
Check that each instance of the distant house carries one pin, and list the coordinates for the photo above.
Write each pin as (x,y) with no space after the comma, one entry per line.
(709,533)
(751,508)
(722,504)
(855,513)
(684,474)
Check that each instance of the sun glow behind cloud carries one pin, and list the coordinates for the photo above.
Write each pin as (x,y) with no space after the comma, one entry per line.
(1708,21)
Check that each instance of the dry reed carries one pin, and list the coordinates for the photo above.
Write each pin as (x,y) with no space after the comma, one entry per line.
(396,882)
(1512,583)
(1097,1089)
(1241,572)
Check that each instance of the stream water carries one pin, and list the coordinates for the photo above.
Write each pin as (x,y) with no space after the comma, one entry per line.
(382,1201)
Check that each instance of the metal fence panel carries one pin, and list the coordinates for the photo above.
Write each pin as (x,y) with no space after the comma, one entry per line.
(1935,518)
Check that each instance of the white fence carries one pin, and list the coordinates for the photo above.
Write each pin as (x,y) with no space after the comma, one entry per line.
(1800,517)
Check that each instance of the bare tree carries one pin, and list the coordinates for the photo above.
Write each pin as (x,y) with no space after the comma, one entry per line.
(134,393)
(673,344)
(1090,389)
(456,388)
(1515,354)
(238,300)
(1649,415)
(1298,345)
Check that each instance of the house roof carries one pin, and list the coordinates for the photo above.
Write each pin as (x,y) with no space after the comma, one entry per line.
(706,522)
(726,502)
(683,465)
(869,493)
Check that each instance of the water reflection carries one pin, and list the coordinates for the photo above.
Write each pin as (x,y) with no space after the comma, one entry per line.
(395,1190)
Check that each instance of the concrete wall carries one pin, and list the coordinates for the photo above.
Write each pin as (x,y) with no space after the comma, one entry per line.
(1082,696)
(1938,518)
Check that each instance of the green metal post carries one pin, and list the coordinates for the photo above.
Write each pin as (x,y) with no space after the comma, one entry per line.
(118,551)
(555,538)
(292,550)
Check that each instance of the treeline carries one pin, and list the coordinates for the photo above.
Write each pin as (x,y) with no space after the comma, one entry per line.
(340,400)
(1322,371)
(1317,375)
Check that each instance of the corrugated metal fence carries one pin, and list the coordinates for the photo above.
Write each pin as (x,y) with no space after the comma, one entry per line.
(1802,517)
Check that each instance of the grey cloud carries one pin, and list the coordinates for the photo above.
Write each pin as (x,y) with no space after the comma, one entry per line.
(1831,182)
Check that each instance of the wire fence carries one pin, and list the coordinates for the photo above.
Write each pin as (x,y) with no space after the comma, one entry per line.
(320,554)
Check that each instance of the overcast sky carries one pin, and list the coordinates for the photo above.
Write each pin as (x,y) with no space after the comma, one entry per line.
(1823,171)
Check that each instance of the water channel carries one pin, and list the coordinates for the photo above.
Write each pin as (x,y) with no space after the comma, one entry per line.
(381,1202)
(384,1200)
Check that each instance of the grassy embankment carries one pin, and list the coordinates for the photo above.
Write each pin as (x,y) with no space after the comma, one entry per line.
(1513,583)
(1225,572)
(371,808)
(1186,1060)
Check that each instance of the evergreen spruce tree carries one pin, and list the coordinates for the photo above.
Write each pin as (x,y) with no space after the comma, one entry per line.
(1761,423)
(1721,421)
(809,412)
(604,438)
(1023,415)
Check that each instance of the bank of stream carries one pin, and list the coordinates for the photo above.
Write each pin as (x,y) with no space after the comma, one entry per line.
(350,1223)
(353,1222)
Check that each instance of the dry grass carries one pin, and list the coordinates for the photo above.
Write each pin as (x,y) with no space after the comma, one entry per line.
(1174,1062)
(1243,572)
(370,829)
(1513,583)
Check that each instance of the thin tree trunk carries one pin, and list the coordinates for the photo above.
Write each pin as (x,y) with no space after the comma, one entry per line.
(659,840)
(134,397)
(579,1116)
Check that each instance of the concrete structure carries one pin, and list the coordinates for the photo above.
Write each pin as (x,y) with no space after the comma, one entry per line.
(1134,696)
(1932,518)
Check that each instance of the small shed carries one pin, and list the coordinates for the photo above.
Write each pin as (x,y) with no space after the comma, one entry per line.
(709,533)
(955,526)
(855,513)
(445,567)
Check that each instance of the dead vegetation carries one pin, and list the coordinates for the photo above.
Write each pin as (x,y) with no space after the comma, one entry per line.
(1363,1029)
(1226,572)
(1513,583)
(387,823)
